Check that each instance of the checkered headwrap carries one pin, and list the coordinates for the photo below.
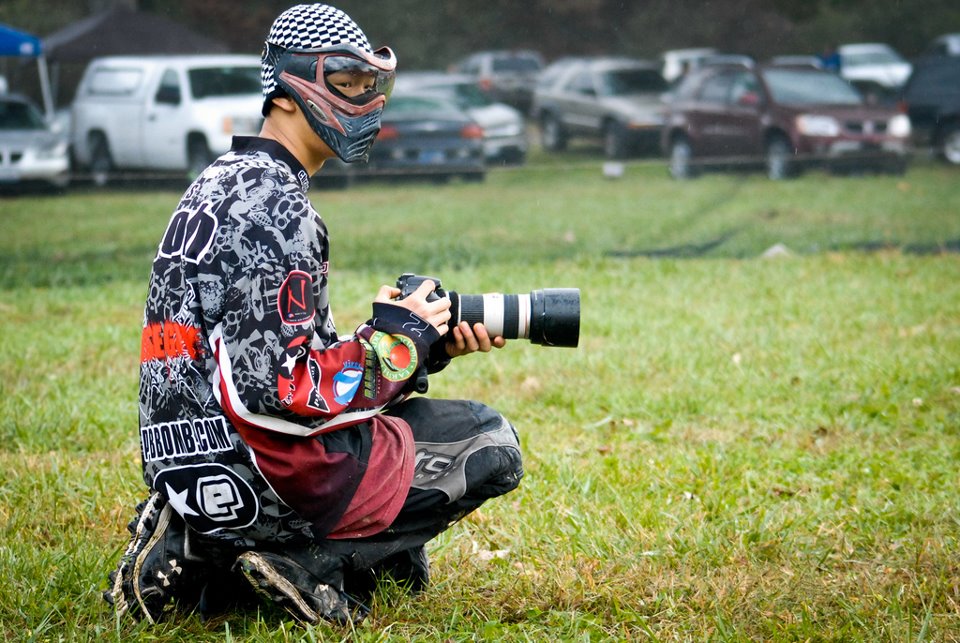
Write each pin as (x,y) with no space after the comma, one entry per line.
(309,26)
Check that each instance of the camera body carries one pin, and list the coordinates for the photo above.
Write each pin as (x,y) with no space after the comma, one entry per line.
(550,317)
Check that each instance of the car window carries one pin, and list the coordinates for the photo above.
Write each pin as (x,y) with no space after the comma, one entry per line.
(230,80)
(15,115)
(115,81)
(716,89)
(624,82)
(466,95)
(803,87)
(744,88)
(877,57)
(398,105)
(582,84)
(169,90)
(469,95)
(516,63)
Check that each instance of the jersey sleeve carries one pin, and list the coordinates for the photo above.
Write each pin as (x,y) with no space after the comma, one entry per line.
(280,364)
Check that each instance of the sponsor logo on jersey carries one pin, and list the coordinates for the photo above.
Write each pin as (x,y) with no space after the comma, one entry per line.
(209,496)
(295,300)
(184,438)
(346,382)
(397,355)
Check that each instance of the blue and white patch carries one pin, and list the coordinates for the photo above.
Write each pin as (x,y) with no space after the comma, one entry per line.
(346,382)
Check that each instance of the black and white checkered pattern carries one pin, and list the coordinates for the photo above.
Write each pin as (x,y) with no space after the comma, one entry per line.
(310,26)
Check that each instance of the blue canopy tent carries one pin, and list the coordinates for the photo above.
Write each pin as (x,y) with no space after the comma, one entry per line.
(18,44)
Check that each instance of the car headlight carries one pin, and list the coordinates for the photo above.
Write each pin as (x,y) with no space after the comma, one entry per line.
(818,125)
(53,151)
(899,126)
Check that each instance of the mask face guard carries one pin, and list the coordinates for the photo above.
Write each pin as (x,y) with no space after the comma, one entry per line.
(302,68)
(348,125)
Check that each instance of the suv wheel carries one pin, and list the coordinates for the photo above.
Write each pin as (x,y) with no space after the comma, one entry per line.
(951,145)
(614,140)
(779,163)
(101,163)
(199,157)
(554,138)
(681,156)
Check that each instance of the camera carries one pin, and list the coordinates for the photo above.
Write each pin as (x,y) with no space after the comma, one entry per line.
(550,316)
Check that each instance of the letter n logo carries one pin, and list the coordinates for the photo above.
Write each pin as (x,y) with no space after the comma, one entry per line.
(295,300)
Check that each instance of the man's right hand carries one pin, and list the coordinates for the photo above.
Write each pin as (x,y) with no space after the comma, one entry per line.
(436,313)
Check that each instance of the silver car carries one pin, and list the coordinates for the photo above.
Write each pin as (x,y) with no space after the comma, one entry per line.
(619,101)
(31,149)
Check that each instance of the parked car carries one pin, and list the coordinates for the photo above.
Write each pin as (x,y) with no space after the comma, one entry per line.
(506,76)
(32,150)
(932,100)
(427,136)
(163,112)
(616,100)
(504,127)
(785,118)
(873,65)
(945,45)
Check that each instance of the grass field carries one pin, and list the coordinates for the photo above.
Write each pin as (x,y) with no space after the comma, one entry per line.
(742,448)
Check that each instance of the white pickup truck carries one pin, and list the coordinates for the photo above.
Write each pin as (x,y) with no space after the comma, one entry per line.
(162,113)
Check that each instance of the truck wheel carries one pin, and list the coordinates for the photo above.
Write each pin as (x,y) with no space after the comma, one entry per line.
(199,157)
(681,156)
(101,163)
(554,138)
(779,164)
(615,140)
(951,145)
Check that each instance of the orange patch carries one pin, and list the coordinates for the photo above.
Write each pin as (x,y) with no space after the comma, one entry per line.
(168,340)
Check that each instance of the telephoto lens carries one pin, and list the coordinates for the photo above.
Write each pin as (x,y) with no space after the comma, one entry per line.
(550,316)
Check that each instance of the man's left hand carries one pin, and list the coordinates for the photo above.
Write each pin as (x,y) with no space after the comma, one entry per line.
(463,340)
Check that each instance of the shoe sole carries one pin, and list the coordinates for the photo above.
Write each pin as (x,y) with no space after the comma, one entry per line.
(267,582)
(122,606)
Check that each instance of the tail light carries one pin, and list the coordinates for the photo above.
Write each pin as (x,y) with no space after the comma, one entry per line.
(388,133)
(471,131)
(485,84)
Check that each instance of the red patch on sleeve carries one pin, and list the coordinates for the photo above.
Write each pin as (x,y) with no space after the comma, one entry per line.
(295,299)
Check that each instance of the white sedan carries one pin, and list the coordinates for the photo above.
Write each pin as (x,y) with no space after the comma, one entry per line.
(31,149)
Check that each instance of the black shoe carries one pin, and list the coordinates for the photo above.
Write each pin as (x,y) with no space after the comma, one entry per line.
(410,569)
(224,591)
(310,595)
(154,569)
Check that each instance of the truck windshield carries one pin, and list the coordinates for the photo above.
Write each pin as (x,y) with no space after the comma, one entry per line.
(626,82)
(803,87)
(206,82)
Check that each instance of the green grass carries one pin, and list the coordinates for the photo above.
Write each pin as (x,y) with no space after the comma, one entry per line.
(740,449)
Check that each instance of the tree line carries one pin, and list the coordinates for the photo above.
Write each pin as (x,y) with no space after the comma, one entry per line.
(430,34)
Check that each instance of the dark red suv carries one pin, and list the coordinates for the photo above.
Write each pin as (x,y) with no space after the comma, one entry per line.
(783,118)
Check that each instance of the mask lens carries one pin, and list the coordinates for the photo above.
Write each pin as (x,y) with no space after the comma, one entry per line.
(356,79)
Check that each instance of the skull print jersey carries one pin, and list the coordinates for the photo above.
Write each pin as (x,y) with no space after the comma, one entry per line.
(257,421)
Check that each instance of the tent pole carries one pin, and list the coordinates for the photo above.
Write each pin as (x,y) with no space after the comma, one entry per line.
(45,86)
